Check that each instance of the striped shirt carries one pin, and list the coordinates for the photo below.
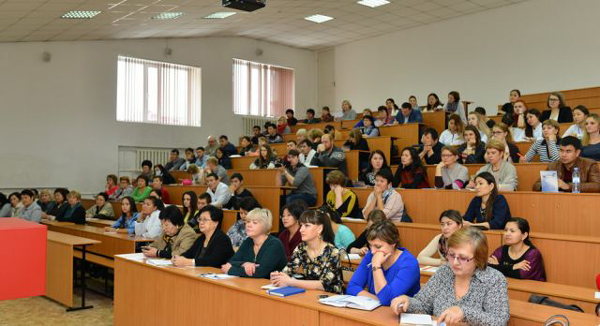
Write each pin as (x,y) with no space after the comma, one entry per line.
(540,148)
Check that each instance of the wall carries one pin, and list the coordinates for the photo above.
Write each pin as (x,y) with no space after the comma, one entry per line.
(535,46)
(57,119)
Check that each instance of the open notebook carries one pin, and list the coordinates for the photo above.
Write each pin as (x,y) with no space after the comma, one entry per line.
(350,301)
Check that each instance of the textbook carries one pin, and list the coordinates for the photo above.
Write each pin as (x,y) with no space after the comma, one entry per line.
(286,291)
(350,301)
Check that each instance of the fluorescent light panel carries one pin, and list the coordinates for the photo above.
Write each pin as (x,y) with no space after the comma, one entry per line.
(219,15)
(168,15)
(318,18)
(373,3)
(80,14)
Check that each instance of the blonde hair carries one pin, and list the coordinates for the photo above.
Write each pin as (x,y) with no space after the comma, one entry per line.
(481,125)
(496,144)
(314,133)
(347,102)
(586,136)
(212,160)
(75,194)
(504,128)
(45,192)
(282,119)
(474,237)
(263,216)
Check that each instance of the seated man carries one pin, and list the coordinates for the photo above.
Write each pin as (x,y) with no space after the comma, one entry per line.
(589,174)
(157,184)
(306,152)
(255,134)
(237,190)
(310,117)
(190,159)
(272,136)
(175,162)
(226,146)
(218,191)
(489,122)
(408,115)
(329,155)
(297,175)
(291,120)
(31,210)
(431,149)
(212,166)
(201,158)
(211,148)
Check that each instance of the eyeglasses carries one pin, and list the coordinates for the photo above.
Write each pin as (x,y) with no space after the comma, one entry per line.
(204,220)
(462,260)
(447,155)
(553,99)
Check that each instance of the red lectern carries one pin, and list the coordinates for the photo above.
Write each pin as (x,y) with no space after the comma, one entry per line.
(23,258)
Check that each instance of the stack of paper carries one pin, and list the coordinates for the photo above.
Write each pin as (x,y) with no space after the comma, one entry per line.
(159,262)
(416,320)
(214,276)
(137,257)
(350,301)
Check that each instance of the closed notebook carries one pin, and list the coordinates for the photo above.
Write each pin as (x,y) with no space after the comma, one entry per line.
(286,291)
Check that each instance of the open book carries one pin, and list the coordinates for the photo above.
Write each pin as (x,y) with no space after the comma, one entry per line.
(350,301)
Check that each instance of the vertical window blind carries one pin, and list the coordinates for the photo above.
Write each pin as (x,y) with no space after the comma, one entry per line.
(158,92)
(261,89)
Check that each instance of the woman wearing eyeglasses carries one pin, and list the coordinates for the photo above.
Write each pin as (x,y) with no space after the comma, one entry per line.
(465,290)
(213,247)
(557,109)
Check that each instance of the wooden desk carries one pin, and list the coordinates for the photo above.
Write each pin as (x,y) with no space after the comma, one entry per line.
(349,124)
(382,143)
(435,120)
(321,125)
(116,205)
(180,175)
(242,163)
(407,134)
(59,268)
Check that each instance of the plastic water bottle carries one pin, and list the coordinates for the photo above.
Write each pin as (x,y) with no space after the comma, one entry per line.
(576,181)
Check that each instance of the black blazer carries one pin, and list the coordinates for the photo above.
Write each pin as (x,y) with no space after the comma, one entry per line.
(218,251)
(564,115)
(78,216)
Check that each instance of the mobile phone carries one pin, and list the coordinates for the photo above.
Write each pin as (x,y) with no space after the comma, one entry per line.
(322,296)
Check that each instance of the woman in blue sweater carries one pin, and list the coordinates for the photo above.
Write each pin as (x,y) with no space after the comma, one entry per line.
(387,270)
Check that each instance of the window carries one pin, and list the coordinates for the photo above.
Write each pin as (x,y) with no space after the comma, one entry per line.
(158,92)
(262,90)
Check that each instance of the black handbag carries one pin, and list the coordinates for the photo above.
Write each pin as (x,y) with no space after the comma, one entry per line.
(543,300)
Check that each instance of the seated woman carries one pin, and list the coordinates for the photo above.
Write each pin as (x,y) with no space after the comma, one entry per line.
(501,133)
(247,148)
(314,135)
(315,263)
(557,109)
(377,162)
(487,209)
(5,206)
(196,173)
(464,291)
(223,159)
(340,198)
(450,174)
(518,257)
(591,138)
(148,224)
(111,185)
(213,247)
(237,232)
(290,237)
(102,208)
(167,178)
(387,270)
(411,173)
(282,126)
(433,103)
(454,106)
(125,189)
(261,253)
(473,150)
(476,120)
(384,118)
(517,120)
(329,129)
(356,141)
(360,245)
(45,202)
(533,130)
(265,159)
(577,129)
(369,129)
(176,238)
(450,222)
(384,197)
(453,136)
(142,191)
(75,212)
(189,201)
(504,173)
(547,148)
(301,135)
(15,202)
(60,198)
(129,214)
(508,107)
(343,236)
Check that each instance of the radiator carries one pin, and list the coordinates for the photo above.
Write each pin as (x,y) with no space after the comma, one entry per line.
(156,156)
(250,121)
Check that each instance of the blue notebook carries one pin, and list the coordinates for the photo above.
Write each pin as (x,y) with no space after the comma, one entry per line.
(286,291)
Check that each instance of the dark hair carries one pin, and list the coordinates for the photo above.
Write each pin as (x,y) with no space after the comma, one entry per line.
(406,105)
(292,141)
(3,199)
(416,164)
(293,152)
(256,127)
(480,110)
(104,195)
(436,104)
(386,174)
(112,177)
(132,208)
(476,132)
(172,214)
(249,203)
(200,148)
(455,95)
(157,177)
(27,192)
(319,217)
(147,163)
(189,150)
(295,208)
(385,231)
(325,108)
(452,214)
(289,111)
(311,111)
(570,140)
(333,214)
(430,131)
(523,226)
(583,109)
(517,91)
(216,214)
(237,175)
(385,163)
(370,118)
(262,161)
(206,197)
(248,139)
(193,203)
(16,194)
(156,202)
(35,192)
(212,174)
(382,108)
(412,96)
(561,99)
(529,128)
(175,151)
(306,142)
(224,137)
(63,191)
(489,205)
(328,129)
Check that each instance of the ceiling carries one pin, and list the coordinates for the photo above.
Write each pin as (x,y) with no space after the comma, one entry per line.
(280,22)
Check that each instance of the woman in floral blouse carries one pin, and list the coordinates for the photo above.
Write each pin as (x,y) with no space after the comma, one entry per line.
(315,263)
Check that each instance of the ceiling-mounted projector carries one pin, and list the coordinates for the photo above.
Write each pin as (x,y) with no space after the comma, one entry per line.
(245,5)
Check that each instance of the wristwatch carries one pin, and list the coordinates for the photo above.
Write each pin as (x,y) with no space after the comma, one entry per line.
(375,268)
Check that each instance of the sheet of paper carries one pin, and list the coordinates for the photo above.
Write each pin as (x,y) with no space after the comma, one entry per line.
(431,269)
(159,262)
(597,295)
(354,256)
(270,287)
(138,256)
(415,319)
(216,276)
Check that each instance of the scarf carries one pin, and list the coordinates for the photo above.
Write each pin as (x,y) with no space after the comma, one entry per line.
(452,107)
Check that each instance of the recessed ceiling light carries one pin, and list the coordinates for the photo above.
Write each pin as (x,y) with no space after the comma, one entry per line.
(219,15)
(373,3)
(168,15)
(79,14)
(318,18)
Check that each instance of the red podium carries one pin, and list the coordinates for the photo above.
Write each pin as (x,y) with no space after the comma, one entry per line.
(23,258)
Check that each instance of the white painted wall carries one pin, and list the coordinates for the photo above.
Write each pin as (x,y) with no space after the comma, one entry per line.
(57,119)
(535,46)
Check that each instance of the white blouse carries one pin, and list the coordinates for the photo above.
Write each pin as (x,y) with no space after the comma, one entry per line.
(449,139)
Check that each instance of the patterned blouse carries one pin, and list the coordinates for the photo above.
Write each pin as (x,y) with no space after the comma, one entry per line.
(485,304)
(237,233)
(326,268)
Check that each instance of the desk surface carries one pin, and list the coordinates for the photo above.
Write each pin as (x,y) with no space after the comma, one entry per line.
(69,239)
(94,230)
